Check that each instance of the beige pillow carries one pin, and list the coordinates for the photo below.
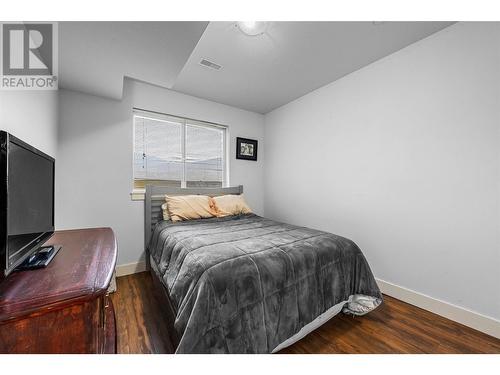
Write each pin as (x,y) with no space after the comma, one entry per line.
(164,209)
(186,207)
(231,205)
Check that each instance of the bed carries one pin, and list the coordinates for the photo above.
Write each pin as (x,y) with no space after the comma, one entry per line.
(247,284)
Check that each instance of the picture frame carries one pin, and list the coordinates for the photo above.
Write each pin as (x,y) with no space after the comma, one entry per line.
(246,149)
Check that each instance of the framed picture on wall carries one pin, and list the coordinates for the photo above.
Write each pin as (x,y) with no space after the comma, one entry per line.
(246,149)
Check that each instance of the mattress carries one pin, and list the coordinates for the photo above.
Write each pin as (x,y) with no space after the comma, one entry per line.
(247,284)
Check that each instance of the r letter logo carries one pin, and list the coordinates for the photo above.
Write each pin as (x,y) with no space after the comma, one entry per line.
(29,56)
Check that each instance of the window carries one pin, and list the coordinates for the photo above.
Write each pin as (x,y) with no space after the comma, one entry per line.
(176,151)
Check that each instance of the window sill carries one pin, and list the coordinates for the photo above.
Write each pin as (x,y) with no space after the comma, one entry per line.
(138,194)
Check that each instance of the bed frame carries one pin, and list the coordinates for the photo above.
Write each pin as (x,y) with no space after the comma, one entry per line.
(154,198)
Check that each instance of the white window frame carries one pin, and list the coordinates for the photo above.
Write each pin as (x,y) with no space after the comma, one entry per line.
(137,193)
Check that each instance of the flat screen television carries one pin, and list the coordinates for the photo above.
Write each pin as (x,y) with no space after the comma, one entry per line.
(27,201)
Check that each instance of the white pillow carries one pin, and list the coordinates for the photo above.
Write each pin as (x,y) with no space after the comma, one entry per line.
(164,209)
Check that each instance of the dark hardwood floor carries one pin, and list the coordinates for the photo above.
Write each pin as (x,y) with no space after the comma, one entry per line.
(140,328)
(394,327)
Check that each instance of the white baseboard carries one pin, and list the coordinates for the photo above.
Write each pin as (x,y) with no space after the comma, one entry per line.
(458,314)
(130,268)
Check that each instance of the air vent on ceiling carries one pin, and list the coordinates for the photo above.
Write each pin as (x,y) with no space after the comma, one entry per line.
(210,64)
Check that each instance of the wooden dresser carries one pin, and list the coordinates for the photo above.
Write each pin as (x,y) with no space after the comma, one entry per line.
(63,308)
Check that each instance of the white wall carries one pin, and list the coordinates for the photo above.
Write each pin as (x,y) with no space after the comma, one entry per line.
(403,157)
(94,161)
(31,116)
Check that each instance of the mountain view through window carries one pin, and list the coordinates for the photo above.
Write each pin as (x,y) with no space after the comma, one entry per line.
(178,152)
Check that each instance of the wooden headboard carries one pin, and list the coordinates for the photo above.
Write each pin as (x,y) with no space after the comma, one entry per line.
(155,197)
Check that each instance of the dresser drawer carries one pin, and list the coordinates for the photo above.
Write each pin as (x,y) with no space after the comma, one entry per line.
(72,329)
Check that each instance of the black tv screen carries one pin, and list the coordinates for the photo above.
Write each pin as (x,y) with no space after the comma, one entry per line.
(28,197)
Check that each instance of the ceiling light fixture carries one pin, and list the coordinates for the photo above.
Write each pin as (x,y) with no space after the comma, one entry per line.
(252,28)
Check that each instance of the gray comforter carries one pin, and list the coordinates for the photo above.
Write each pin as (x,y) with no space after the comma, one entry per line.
(245,284)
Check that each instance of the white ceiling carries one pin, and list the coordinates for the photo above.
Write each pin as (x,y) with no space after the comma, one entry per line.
(261,73)
(94,57)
